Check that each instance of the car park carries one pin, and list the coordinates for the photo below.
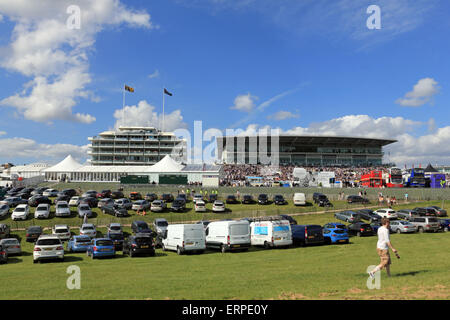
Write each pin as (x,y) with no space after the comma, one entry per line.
(140,205)
(33,233)
(62,231)
(39,191)
(5,231)
(4,210)
(228,235)
(88,229)
(138,226)
(3,255)
(231,199)
(200,206)
(123,203)
(263,199)
(21,212)
(114,211)
(101,247)
(74,201)
(386,213)
(62,209)
(178,205)
(248,199)
(42,211)
(183,238)
(61,197)
(218,206)
(425,223)
(11,246)
(36,200)
(368,215)
(360,229)
(158,206)
(270,233)
(400,226)
(167,197)
(84,210)
(303,235)
(78,243)
(135,196)
(348,216)
(139,244)
(279,200)
(48,247)
(357,199)
(70,192)
(335,232)
(299,199)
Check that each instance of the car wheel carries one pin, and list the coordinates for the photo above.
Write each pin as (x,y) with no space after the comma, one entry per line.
(179,252)
(163,247)
(421,230)
(266,245)
(358,234)
(130,253)
(446,229)
(223,248)
(398,231)
(35,261)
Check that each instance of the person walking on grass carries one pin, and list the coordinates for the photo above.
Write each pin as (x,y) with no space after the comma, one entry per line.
(383,246)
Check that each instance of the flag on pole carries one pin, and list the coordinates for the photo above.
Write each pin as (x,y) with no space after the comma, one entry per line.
(167,92)
(127,88)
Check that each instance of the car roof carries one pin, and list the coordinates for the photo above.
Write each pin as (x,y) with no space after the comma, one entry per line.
(160,219)
(61,226)
(87,224)
(48,236)
(115,224)
(22,205)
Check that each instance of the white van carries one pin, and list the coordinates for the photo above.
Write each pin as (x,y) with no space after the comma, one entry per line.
(228,235)
(299,199)
(184,237)
(275,233)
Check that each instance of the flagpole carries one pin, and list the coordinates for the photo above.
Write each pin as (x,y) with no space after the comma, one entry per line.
(123,104)
(163,113)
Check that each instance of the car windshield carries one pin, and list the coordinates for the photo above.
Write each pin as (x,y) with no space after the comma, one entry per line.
(62,205)
(10,241)
(62,230)
(88,228)
(339,231)
(20,209)
(85,208)
(143,240)
(34,229)
(162,224)
(116,236)
(41,208)
(115,228)
(104,243)
(48,242)
(3,207)
(83,240)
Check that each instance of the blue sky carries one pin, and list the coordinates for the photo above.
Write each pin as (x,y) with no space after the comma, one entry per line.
(309,67)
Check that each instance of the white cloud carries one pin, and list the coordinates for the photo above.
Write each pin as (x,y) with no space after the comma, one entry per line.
(2,133)
(144,114)
(244,102)
(154,74)
(56,57)
(423,92)
(282,115)
(13,148)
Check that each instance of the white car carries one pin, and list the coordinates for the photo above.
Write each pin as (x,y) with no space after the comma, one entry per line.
(88,229)
(200,206)
(20,212)
(62,209)
(158,206)
(218,206)
(42,211)
(386,213)
(50,193)
(74,201)
(62,231)
(299,199)
(197,197)
(48,247)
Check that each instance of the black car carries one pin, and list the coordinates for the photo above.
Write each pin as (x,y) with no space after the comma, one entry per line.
(24,196)
(428,212)
(139,244)
(279,200)
(178,205)
(38,191)
(117,195)
(135,196)
(183,196)
(70,192)
(117,239)
(439,211)
(360,229)
(263,199)
(291,220)
(150,197)
(369,215)
(317,196)
(91,201)
(105,194)
(5,231)
(303,235)
(247,199)
(36,200)
(140,227)
(114,211)
(231,199)
(90,193)
(33,233)
(167,197)
(212,197)
(357,199)
(62,197)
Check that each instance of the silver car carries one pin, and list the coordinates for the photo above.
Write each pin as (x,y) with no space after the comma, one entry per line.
(84,210)
(88,229)
(426,224)
(115,228)
(12,246)
(400,226)
(105,202)
(4,210)
(62,209)
(42,211)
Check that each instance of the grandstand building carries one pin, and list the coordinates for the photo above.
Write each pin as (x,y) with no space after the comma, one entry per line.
(303,150)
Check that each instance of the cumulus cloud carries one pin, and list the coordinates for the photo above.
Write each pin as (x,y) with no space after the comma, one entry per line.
(144,114)
(244,102)
(422,93)
(23,148)
(282,115)
(54,56)
(154,75)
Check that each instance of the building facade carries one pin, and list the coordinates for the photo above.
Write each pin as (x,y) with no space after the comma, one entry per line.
(302,150)
(134,146)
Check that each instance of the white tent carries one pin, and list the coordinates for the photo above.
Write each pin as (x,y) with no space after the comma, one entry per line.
(69,164)
(167,164)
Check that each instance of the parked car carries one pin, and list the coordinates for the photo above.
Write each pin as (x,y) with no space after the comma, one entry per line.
(426,224)
(150,197)
(42,211)
(33,233)
(317,197)
(140,243)
(74,201)
(5,231)
(104,194)
(60,198)
(299,199)
(178,205)
(117,195)
(160,225)
(167,197)
(212,197)
(105,202)
(407,214)
(376,225)
(218,206)
(183,238)
(200,206)
(140,227)
(204,223)
(21,212)
(248,199)
(263,199)
(70,192)
(335,232)
(271,233)
(62,231)
(78,243)
(369,215)
(228,235)
(279,200)
(13,201)
(48,247)
(50,193)
(426,212)
(140,205)
(387,213)
(439,211)
(101,247)
(357,199)
(4,210)
(307,234)
(62,209)
(90,201)
(114,211)
(445,224)
(39,191)
(36,200)
(90,193)
(123,203)
(88,229)
(400,226)
(197,197)
(135,195)
(360,229)
(117,239)
(158,206)
(231,199)
(288,218)
(84,210)
(348,216)
(11,246)
(3,255)
(114,228)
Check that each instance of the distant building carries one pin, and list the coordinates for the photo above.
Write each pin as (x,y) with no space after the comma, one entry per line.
(134,146)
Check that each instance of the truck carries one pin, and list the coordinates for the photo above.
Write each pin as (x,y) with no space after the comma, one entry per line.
(414,177)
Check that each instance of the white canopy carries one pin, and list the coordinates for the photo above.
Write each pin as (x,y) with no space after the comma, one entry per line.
(166,164)
(69,164)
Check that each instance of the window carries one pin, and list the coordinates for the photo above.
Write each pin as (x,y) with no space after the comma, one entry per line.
(239,229)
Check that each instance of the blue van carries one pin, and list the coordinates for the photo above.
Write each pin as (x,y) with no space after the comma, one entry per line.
(303,235)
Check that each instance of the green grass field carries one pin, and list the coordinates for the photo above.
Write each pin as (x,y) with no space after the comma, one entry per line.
(316,272)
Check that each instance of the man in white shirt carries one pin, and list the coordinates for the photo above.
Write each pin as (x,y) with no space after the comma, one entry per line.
(383,245)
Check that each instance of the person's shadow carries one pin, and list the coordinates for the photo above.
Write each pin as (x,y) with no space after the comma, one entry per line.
(411,273)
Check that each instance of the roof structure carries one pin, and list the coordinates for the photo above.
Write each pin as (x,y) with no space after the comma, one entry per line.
(69,164)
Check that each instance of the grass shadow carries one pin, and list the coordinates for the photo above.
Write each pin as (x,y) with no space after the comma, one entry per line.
(411,273)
